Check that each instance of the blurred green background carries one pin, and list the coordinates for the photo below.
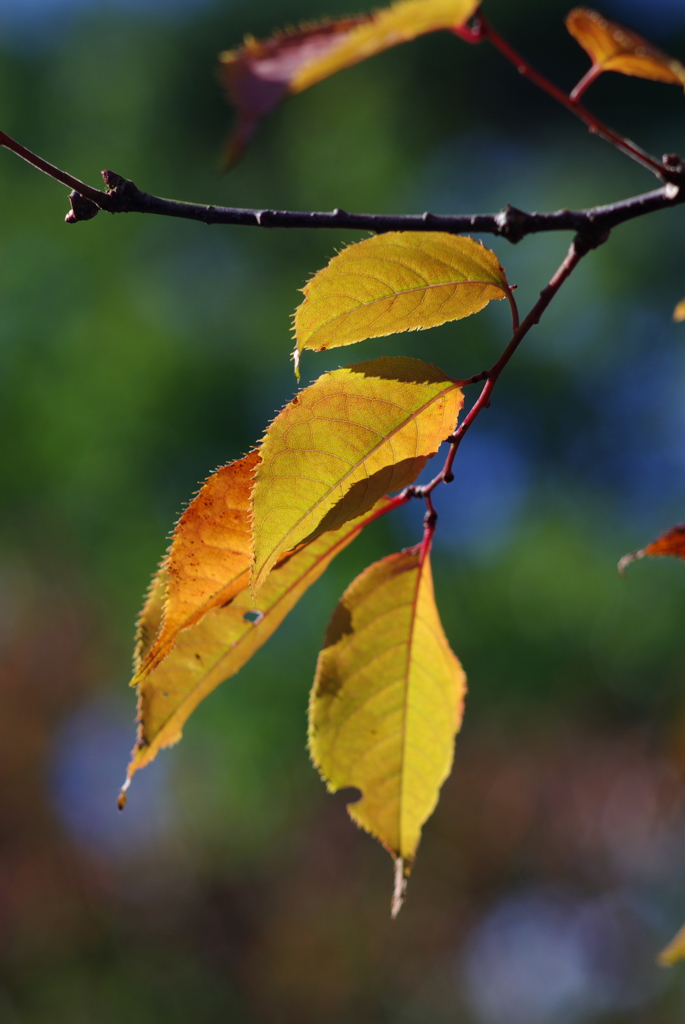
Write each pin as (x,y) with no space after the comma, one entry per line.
(138,354)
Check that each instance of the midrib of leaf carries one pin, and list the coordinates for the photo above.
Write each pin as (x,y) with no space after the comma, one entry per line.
(395,295)
(415,600)
(384,440)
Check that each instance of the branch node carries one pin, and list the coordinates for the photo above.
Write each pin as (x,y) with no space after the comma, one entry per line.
(124,194)
(512,223)
(673,162)
(589,238)
(81,208)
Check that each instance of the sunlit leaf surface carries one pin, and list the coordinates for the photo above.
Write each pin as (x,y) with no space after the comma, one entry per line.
(207,561)
(260,74)
(342,443)
(613,47)
(387,702)
(399,281)
(224,639)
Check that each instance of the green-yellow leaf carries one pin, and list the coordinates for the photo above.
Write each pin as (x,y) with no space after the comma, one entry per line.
(679,312)
(206,564)
(350,437)
(261,73)
(387,703)
(399,281)
(224,639)
(674,951)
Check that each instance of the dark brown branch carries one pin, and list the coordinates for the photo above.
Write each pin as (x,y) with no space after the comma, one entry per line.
(509,223)
(123,196)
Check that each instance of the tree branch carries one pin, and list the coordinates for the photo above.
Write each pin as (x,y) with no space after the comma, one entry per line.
(509,223)
(123,196)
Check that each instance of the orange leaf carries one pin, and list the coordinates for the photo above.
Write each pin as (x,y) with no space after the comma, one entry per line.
(679,312)
(670,543)
(613,47)
(206,563)
(260,74)
(219,642)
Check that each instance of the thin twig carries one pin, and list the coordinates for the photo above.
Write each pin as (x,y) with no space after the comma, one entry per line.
(579,248)
(482,29)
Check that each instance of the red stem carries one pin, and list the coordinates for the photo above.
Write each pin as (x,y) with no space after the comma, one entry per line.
(482,29)
(429,521)
(586,81)
(514,310)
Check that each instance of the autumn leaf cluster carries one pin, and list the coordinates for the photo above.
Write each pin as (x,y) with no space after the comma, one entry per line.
(388,693)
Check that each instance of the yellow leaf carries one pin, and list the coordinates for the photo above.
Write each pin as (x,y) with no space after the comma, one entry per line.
(207,561)
(679,312)
(399,281)
(149,621)
(353,435)
(399,23)
(260,74)
(613,47)
(674,951)
(387,702)
(224,639)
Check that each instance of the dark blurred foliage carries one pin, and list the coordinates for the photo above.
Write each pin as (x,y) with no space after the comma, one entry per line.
(137,354)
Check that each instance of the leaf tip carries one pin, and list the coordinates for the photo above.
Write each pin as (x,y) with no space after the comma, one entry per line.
(632,556)
(679,312)
(122,798)
(400,889)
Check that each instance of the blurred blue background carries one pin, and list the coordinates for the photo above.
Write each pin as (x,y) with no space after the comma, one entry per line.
(137,354)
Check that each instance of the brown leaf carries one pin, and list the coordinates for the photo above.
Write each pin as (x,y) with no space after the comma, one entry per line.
(260,74)
(613,47)
(670,543)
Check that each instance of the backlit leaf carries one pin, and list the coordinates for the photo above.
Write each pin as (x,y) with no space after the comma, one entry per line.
(679,312)
(260,74)
(670,543)
(399,281)
(350,437)
(149,621)
(387,702)
(207,561)
(224,639)
(613,47)
(674,951)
